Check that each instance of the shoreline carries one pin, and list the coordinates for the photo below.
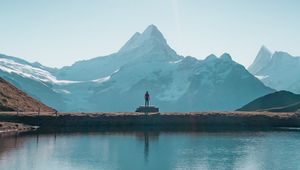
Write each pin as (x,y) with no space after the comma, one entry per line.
(11,129)
(164,119)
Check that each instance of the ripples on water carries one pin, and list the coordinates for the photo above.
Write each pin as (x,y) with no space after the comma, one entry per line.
(153,150)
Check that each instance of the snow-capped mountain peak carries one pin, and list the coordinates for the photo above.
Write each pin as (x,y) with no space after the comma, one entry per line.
(150,37)
(118,81)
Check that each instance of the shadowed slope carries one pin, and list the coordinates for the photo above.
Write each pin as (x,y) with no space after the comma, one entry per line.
(282,101)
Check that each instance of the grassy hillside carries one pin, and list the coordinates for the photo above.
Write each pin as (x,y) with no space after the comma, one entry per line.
(281,101)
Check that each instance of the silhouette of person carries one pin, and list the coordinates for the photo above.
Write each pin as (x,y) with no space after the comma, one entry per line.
(147,98)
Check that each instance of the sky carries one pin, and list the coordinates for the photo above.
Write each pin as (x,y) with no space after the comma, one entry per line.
(57,33)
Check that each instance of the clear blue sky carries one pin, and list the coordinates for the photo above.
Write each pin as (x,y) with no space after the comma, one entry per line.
(60,32)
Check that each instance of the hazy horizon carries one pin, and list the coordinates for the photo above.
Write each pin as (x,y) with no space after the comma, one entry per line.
(59,33)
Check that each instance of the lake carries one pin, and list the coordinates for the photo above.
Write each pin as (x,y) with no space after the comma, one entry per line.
(155,150)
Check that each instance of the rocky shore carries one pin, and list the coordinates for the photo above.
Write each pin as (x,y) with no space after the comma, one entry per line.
(174,119)
(9,128)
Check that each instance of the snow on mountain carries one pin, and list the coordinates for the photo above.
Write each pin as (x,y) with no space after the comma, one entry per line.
(147,46)
(261,77)
(189,84)
(104,79)
(118,81)
(278,70)
(41,84)
(28,71)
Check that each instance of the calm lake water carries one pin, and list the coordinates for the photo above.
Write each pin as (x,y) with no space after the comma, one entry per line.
(152,150)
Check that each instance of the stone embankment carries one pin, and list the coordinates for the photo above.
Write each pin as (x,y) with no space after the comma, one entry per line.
(175,119)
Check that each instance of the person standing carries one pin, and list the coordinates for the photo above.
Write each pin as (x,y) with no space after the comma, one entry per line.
(147,98)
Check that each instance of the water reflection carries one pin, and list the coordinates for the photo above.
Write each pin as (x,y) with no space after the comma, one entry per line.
(147,137)
(152,150)
(146,146)
(37,140)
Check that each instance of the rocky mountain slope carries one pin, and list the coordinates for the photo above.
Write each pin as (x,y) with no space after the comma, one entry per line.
(13,99)
(118,81)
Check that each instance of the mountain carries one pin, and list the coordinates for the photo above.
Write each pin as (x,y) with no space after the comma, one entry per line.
(262,59)
(186,84)
(36,82)
(278,70)
(146,47)
(117,82)
(281,101)
(13,99)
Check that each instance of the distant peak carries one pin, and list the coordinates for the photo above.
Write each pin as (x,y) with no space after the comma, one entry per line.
(280,55)
(262,59)
(226,57)
(151,28)
(190,59)
(152,32)
(211,57)
(264,49)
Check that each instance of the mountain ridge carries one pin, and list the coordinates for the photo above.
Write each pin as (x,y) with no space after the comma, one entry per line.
(117,82)
(278,70)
